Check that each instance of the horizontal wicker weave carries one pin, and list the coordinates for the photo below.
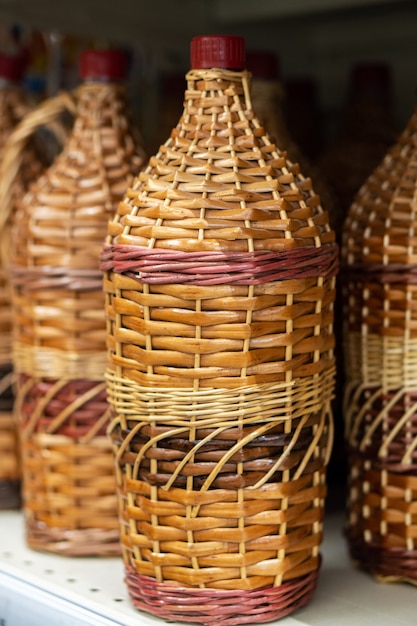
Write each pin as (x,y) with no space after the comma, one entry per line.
(380,286)
(219,278)
(13,107)
(59,340)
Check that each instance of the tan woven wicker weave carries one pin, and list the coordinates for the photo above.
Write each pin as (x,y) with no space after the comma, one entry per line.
(13,107)
(219,275)
(379,252)
(59,340)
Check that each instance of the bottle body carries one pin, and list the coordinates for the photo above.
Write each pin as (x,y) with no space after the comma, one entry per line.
(59,343)
(380,397)
(197,266)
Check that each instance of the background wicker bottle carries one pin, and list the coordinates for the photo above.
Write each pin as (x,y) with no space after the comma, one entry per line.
(13,106)
(268,98)
(59,342)
(379,257)
(366,132)
(219,273)
(303,114)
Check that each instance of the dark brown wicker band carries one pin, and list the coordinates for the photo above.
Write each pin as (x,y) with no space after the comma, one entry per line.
(158,266)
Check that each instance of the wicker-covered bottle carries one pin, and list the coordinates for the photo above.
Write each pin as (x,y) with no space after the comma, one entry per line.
(380,295)
(219,277)
(13,106)
(303,113)
(59,337)
(366,132)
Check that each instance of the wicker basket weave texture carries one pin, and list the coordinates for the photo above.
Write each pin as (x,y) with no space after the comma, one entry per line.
(219,277)
(59,341)
(379,252)
(13,107)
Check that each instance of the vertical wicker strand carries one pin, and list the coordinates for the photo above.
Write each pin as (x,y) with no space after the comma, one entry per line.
(192,432)
(317,476)
(128,497)
(385,382)
(409,436)
(240,496)
(288,422)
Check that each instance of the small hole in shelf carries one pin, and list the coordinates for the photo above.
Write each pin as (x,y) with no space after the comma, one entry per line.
(117,599)
(94,589)
(49,571)
(71,580)
(28,562)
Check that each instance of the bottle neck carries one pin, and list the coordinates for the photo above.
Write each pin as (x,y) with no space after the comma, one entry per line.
(96,92)
(100,105)
(233,84)
(101,81)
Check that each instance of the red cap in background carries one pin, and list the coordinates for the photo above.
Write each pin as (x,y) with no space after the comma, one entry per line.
(103,65)
(369,73)
(222,51)
(263,64)
(12,67)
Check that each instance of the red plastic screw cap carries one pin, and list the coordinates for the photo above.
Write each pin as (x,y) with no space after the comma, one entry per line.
(103,65)
(12,67)
(222,51)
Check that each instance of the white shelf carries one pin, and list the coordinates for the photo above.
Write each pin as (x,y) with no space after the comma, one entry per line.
(39,589)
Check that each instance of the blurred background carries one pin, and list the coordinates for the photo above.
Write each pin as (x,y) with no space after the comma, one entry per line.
(318,43)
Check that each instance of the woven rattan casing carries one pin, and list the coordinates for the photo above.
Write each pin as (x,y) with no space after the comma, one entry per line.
(219,279)
(59,339)
(379,255)
(13,107)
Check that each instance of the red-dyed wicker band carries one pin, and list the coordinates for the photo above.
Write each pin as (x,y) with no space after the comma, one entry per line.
(387,563)
(48,277)
(219,607)
(381,273)
(159,266)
